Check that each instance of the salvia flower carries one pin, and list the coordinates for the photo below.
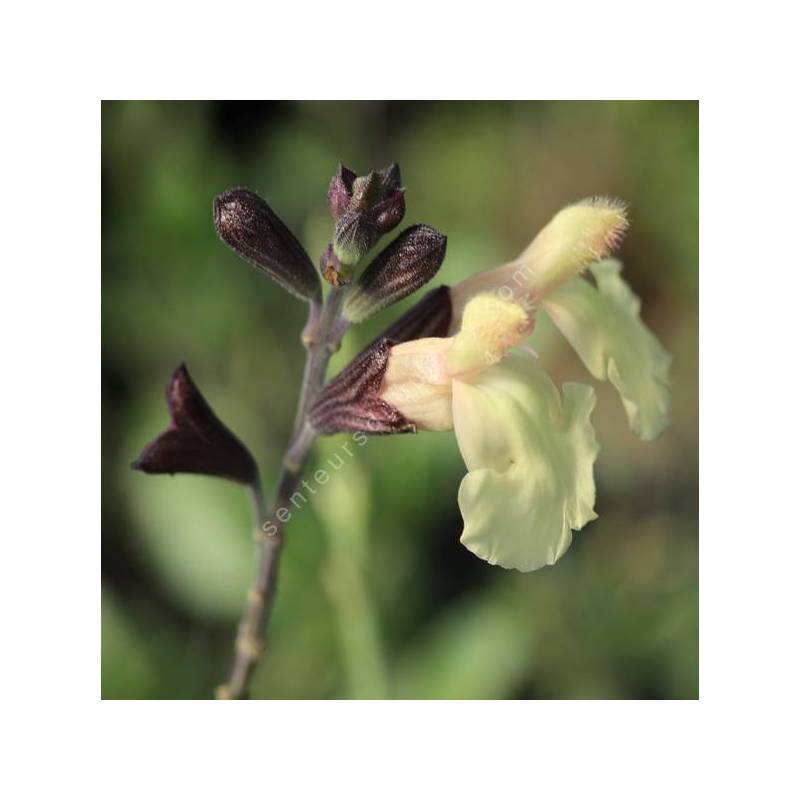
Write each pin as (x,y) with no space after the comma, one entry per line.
(529,449)
(364,209)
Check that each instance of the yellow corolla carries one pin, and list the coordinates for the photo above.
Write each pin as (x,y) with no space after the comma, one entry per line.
(529,449)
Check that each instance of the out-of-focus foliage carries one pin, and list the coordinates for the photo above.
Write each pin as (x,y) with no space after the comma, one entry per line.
(377,597)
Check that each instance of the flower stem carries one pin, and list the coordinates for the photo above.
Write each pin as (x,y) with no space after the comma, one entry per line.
(321,338)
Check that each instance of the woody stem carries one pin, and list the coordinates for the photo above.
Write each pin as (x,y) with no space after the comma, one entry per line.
(321,338)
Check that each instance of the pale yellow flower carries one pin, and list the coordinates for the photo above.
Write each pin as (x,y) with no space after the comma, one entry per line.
(529,450)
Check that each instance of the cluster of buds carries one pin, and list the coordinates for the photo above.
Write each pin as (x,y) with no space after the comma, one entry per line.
(364,208)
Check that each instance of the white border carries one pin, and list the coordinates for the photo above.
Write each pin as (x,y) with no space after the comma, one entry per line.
(60,61)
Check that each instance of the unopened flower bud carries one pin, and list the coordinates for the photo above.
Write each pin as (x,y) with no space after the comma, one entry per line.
(364,209)
(252,229)
(409,262)
(196,441)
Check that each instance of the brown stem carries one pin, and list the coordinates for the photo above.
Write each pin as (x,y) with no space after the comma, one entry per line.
(321,338)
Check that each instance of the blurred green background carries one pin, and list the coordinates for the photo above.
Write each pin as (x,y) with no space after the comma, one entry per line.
(377,598)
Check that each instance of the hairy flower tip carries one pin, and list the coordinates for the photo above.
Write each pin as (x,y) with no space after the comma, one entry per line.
(196,441)
(616,221)
(409,262)
(579,235)
(351,401)
(255,232)
(364,208)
